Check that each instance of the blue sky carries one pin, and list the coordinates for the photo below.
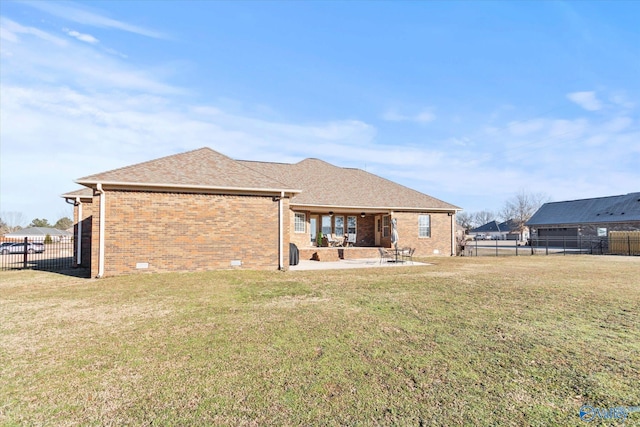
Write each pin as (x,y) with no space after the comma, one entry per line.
(470,102)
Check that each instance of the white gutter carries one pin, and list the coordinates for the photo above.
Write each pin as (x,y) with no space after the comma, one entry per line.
(101,237)
(372,208)
(280,233)
(161,186)
(453,235)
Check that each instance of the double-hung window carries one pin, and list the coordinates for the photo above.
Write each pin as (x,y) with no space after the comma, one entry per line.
(339,226)
(326,225)
(351,225)
(424,225)
(300,223)
(386,229)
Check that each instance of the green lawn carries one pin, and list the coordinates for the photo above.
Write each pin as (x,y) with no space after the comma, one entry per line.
(465,341)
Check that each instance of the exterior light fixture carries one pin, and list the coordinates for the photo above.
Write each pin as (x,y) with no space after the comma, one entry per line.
(330,213)
(362,215)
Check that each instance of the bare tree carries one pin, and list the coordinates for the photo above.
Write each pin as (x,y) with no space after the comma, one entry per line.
(12,221)
(483,217)
(522,206)
(465,220)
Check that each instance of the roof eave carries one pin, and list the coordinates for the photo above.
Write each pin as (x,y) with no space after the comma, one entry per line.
(117,185)
(372,208)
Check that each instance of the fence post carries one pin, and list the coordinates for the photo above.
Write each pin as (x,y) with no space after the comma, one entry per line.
(24,262)
(496,248)
(546,245)
(579,244)
(476,246)
(564,245)
(516,247)
(629,244)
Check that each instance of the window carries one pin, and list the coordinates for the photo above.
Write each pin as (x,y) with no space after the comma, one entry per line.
(424,225)
(326,225)
(300,223)
(385,226)
(351,225)
(339,226)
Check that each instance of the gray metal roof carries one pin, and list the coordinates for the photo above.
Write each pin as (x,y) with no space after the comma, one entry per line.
(38,232)
(493,226)
(623,208)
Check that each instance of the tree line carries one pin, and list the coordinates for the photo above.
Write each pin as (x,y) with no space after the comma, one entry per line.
(517,209)
(13,221)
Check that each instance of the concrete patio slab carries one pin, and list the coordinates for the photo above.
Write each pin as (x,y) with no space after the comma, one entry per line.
(305,265)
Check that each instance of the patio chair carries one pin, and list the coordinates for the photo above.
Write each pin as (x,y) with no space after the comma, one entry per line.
(331,241)
(386,255)
(351,239)
(408,254)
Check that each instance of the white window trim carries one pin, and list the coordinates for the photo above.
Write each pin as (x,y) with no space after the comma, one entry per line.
(296,222)
(428,236)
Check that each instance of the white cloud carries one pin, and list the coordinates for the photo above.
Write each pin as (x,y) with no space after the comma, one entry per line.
(68,111)
(83,16)
(526,127)
(424,116)
(88,38)
(586,100)
(11,30)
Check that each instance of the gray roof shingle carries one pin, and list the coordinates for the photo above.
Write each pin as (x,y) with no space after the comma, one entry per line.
(202,168)
(313,182)
(622,208)
(324,184)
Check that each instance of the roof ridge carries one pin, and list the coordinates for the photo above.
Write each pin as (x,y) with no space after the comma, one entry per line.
(594,198)
(242,163)
(155,160)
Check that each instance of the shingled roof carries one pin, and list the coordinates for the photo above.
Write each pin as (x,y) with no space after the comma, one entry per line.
(311,182)
(203,168)
(326,185)
(623,208)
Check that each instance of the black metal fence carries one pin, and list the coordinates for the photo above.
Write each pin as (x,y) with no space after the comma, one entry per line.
(612,245)
(54,256)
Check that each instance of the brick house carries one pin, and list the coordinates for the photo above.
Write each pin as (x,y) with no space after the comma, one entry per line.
(201,210)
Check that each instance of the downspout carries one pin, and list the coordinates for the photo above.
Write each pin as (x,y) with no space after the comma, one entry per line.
(280,233)
(453,233)
(101,237)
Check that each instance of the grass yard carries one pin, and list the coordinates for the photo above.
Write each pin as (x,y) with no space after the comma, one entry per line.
(466,341)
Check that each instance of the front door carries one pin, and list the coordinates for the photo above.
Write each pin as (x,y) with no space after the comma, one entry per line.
(313,228)
(378,232)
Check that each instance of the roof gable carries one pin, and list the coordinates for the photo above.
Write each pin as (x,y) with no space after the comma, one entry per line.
(621,208)
(202,168)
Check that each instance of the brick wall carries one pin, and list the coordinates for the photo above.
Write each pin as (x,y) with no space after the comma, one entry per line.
(188,232)
(439,241)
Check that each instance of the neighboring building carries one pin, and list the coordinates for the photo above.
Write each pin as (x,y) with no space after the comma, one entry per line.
(39,234)
(201,210)
(595,217)
(507,230)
